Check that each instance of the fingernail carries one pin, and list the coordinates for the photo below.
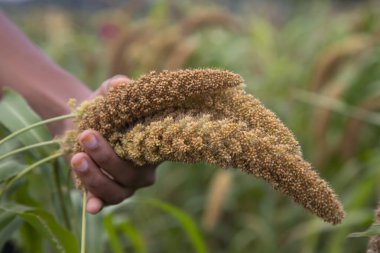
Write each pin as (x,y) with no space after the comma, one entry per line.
(81,165)
(89,141)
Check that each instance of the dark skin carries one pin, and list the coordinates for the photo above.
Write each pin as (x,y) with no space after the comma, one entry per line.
(102,172)
(47,88)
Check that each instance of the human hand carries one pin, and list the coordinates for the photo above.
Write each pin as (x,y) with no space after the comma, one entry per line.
(107,178)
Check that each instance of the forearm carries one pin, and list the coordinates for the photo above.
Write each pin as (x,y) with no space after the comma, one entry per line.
(24,68)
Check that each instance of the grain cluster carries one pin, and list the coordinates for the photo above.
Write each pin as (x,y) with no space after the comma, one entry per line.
(204,115)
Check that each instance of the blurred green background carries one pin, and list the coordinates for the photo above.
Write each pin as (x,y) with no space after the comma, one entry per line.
(315,64)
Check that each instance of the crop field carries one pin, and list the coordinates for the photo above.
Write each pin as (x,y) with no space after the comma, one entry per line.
(316,65)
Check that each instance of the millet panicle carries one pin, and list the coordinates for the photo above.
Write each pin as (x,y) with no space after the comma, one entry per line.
(205,116)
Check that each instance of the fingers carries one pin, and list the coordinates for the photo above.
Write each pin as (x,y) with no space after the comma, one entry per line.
(97,182)
(108,178)
(94,204)
(122,171)
(107,84)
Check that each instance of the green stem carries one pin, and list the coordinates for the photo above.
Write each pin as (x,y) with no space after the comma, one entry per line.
(83,237)
(61,198)
(40,123)
(338,106)
(30,168)
(16,151)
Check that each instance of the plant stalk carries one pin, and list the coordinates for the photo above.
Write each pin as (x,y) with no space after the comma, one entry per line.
(338,106)
(16,151)
(61,198)
(40,123)
(83,236)
(30,168)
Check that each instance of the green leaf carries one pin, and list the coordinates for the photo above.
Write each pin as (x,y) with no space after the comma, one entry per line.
(371,231)
(132,234)
(113,227)
(8,146)
(45,224)
(15,114)
(7,231)
(185,220)
(5,218)
(95,234)
(30,241)
(9,168)
(113,239)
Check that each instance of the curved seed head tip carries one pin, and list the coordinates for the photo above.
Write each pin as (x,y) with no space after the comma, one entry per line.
(232,144)
(205,116)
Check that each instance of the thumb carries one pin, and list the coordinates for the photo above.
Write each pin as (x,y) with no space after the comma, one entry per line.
(107,84)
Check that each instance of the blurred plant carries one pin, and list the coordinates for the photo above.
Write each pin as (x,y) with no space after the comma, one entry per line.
(152,45)
(374,243)
(333,76)
(277,60)
(219,188)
